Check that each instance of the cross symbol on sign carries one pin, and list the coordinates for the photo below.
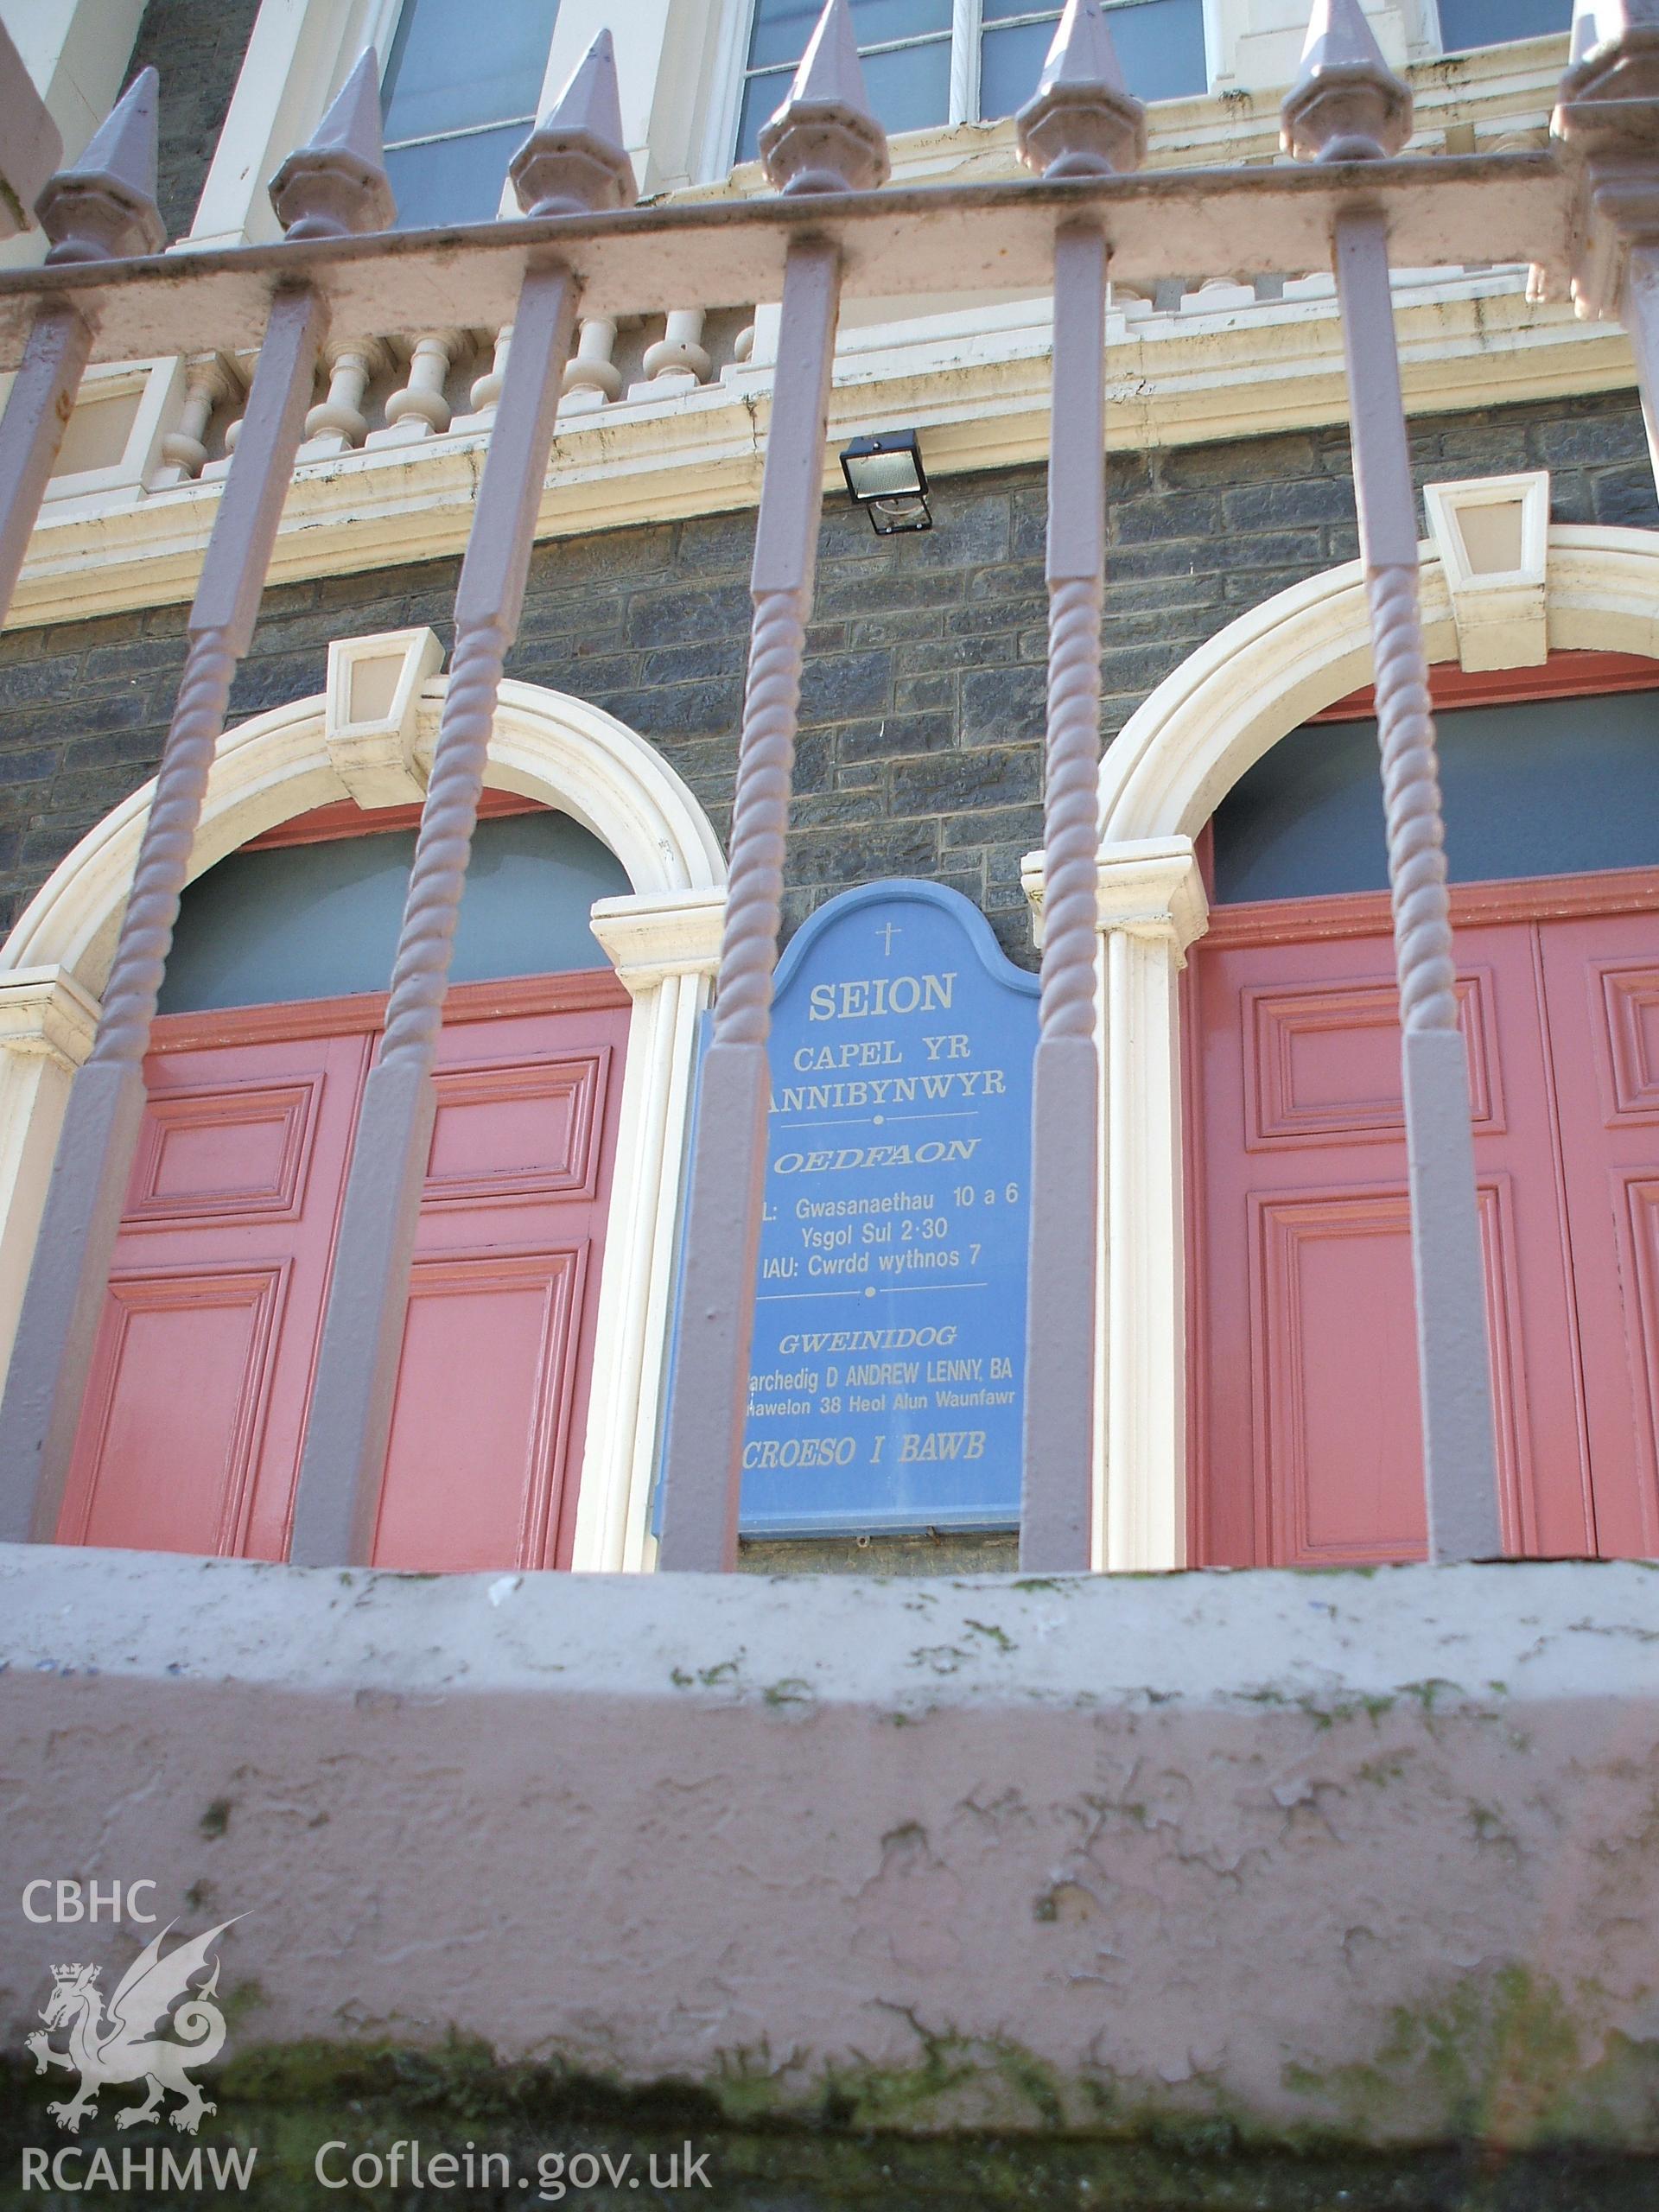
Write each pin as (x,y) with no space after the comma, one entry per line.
(887,931)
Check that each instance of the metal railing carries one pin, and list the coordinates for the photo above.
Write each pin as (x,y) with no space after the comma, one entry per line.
(1584,214)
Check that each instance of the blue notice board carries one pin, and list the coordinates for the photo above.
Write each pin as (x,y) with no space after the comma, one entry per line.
(886,1383)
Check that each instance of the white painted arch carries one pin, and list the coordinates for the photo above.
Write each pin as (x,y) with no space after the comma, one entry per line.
(1256,681)
(663,940)
(1178,756)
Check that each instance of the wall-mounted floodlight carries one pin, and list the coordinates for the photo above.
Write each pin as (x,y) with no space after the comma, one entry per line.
(885,477)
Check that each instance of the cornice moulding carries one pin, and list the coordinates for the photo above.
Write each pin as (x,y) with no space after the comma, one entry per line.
(981,398)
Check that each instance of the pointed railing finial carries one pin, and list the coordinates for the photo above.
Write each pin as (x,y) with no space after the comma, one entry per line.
(1609,99)
(823,138)
(573,162)
(335,184)
(1082,120)
(1346,105)
(105,206)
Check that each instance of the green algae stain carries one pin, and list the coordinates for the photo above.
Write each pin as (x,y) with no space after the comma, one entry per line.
(1501,2059)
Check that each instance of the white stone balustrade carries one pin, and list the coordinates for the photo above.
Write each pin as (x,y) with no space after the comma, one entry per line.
(210,380)
(419,410)
(591,377)
(337,424)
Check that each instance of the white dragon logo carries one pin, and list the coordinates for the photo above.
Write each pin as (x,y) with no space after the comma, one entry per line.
(122,2045)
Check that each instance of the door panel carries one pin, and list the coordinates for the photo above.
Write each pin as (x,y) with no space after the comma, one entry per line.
(492,1390)
(191,1435)
(517,1319)
(1301,1261)
(1332,1276)
(176,1410)
(1602,990)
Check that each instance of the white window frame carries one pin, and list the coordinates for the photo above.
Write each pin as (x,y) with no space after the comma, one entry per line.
(966,27)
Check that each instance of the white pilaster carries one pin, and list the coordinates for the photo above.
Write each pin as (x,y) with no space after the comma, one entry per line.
(1151,908)
(47,1025)
(665,948)
(1152,905)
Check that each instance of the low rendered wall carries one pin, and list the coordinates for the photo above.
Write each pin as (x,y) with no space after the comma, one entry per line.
(1375,1854)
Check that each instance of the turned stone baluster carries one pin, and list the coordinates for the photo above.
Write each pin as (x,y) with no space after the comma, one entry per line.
(824,139)
(210,380)
(101,209)
(572,162)
(591,377)
(679,360)
(419,410)
(338,423)
(333,186)
(1347,105)
(485,394)
(1081,122)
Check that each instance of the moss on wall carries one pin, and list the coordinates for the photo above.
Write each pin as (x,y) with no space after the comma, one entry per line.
(533,2124)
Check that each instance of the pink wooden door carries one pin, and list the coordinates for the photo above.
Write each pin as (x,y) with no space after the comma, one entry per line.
(190,1437)
(1601,978)
(1304,1435)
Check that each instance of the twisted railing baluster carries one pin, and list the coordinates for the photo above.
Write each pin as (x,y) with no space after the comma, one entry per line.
(328,188)
(1411,797)
(135,984)
(1081,122)
(772,697)
(414,1009)
(822,140)
(1454,1363)
(1347,106)
(337,1499)
(1070,811)
(1057,1524)
(572,162)
(703,1471)
(57,1327)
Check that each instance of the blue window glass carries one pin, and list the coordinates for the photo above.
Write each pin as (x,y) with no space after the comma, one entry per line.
(904,46)
(1468,23)
(1549,787)
(1159,45)
(317,921)
(461,88)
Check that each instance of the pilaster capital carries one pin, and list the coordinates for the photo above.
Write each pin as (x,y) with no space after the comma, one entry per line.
(1147,888)
(650,936)
(46,1014)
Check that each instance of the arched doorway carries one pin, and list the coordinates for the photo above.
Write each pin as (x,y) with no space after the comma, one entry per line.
(1304,1434)
(655,946)
(1180,755)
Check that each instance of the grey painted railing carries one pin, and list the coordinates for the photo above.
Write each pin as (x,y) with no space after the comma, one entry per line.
(1587,212)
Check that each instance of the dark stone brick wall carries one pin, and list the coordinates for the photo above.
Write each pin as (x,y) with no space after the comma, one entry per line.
(198,46)
(922,710)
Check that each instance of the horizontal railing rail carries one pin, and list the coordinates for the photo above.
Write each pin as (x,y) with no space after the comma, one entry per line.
(1442,210)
